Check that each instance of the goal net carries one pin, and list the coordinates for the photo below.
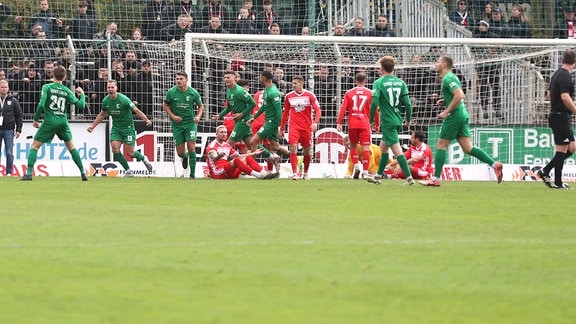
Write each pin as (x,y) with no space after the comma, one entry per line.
(505,81)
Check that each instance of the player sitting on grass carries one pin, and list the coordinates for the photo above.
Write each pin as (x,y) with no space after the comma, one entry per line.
(225,163)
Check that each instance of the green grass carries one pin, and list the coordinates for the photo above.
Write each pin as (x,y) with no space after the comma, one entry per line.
(160,250)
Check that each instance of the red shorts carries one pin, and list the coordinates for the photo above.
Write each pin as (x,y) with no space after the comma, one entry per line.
(298,135)
(360,135)
(225,170)
(416,174)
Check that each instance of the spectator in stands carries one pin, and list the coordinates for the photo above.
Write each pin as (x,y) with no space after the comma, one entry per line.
(266,18)
(143,88)
(28,89)
(416,76)
(215,9)
(497,25)
(99,90)
(215,27)
(175,32)
(339,30)
(40,50)
(275,29)
(137,35)
(51,24)
(23,33)
(119,73)
(2,74)
(305,31)
(325,91)
(461,16)
(48,72)
(382,29)
(280,81)
(358,29)
(5,12)
(183,7)
(561,29)
(487,12)
(131,61)
(433,54)
(117,43)
(519,27)
(245,24)
(249,4)
(488,74)
(155,16)
(82,25)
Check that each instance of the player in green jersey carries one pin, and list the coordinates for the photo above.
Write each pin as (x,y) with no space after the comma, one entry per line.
(180,104)
(240,103)
(54,102)
(455,125)
(272,106)
(120,109)
(390,97)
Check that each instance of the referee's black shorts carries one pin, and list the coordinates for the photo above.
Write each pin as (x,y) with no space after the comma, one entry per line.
(561,124)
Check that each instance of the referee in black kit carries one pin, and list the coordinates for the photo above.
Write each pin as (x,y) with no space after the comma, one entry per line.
(560,120)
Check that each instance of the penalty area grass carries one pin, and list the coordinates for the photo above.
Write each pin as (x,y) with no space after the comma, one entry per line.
(171,250)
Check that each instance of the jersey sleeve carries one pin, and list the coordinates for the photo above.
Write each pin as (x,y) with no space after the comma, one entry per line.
(344,108)
(41,103)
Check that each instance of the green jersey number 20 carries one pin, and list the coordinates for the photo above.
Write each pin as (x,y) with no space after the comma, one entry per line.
(57,104)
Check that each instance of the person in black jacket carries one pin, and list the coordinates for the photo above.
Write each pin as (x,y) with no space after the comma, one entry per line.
(10,123)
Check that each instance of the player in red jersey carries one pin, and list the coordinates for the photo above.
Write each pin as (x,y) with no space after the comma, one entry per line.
(225,163)
(299,105)
(357,104)
(419,157)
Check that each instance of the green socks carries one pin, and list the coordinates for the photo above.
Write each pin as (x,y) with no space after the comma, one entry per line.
(120,158)
(77,160)
(439,161)
(32,156)
(481,155)
(383,162)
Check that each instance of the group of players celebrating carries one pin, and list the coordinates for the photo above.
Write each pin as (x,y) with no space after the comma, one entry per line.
(255,125)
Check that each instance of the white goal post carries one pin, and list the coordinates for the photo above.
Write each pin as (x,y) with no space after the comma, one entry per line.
(505,80)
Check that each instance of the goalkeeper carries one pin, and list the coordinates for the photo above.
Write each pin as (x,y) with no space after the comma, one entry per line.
(374,159)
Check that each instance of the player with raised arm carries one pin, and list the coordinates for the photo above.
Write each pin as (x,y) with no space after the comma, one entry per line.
(299,105)
(120,108)
(180,104)
(455,125)
(272,106)
(225,163)
(390,96)
(356,104)
(55,100)
(240,103)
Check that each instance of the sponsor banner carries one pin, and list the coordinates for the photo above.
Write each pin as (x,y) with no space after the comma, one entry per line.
(91,146)
(453,172)
(510,145)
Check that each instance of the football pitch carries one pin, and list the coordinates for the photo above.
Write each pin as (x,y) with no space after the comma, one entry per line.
(160,250)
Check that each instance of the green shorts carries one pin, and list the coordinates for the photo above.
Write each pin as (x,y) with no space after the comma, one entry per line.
(269,131)
(124,135)
(240,132)
(184,133)
(390,134)
(454,127)
(46,132)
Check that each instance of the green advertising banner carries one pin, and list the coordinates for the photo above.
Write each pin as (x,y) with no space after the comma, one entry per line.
(510,145)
